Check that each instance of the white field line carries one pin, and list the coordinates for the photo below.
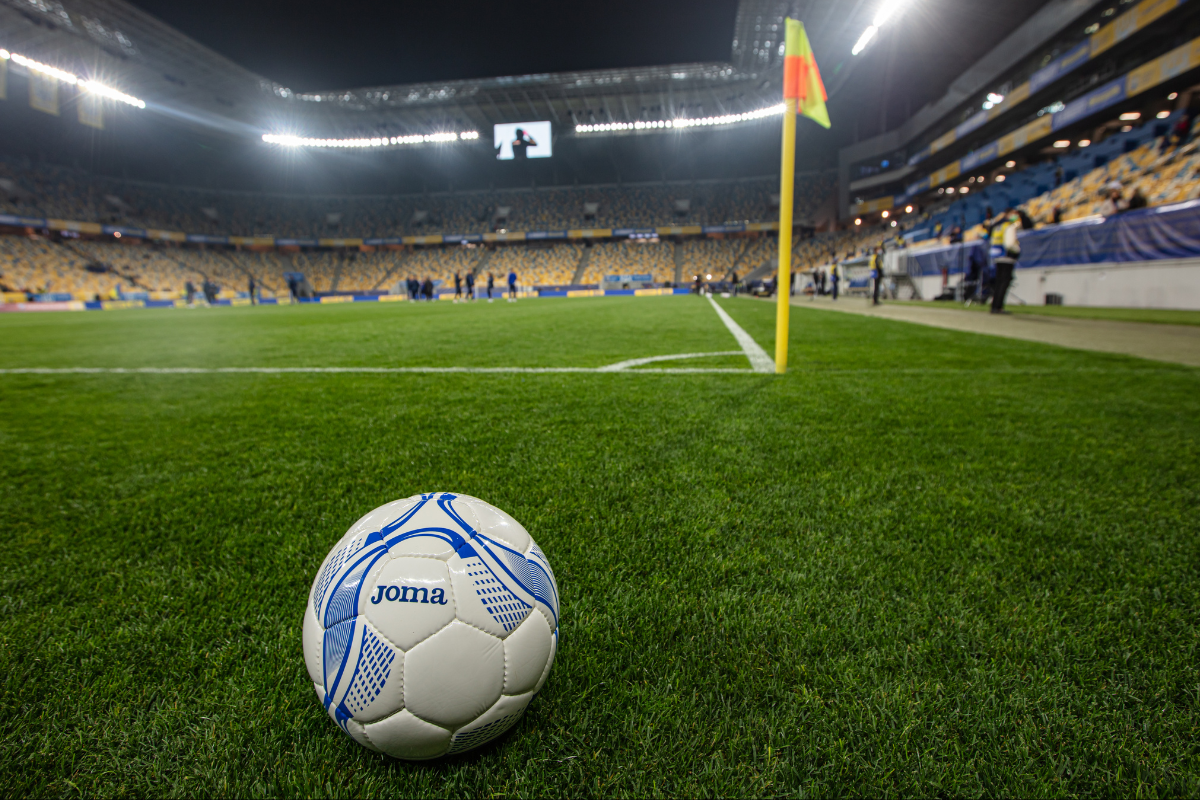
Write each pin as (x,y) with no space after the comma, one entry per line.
(637,362)
(371,370)
(759,360)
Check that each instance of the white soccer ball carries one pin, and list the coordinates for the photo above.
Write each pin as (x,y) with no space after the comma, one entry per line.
(430,626)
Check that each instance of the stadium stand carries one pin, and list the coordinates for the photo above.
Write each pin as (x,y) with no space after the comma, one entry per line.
(1139,159)
(630,257)
(62,193)
(536,264)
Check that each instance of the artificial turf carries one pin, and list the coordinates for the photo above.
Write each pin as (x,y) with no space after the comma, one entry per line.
(922,563)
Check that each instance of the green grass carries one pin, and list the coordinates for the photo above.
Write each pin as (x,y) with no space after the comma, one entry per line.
(1159,316)
(923,563)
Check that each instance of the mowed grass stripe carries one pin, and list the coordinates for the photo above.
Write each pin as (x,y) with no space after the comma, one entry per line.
(921,563)
(586,332)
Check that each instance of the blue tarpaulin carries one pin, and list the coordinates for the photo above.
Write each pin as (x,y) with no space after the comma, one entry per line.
(1145,235)
(955,257)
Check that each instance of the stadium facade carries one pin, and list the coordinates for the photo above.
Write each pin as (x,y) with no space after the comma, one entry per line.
(196,97)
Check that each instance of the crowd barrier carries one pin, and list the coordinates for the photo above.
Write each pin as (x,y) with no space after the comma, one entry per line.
(119,305)
(953,258)
(1153,234)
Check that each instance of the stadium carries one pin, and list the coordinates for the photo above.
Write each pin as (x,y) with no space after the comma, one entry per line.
(600,401)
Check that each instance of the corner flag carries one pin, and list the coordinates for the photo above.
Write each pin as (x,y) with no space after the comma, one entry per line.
(803,94)
(801,77)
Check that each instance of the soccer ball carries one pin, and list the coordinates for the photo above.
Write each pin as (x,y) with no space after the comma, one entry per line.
(430,626)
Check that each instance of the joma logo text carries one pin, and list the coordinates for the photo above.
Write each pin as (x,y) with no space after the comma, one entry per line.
(408,594)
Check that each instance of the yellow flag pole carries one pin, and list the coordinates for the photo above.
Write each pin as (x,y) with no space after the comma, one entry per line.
(783,284)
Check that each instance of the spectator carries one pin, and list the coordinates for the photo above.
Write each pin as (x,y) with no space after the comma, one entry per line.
(1181,134)
(956,235)
(1056,215)
(1058,176)
(1137,200)
(1115,203)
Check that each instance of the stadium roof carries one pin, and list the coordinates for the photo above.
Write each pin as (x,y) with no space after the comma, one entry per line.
(124,47)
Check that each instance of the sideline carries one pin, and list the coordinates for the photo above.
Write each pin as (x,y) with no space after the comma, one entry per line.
(759,360)
(1175,344)
(622,367)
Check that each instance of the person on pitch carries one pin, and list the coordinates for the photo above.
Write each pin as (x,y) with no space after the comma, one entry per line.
(1006,249)
(457,286)
(470,285)
(491,285)
(877,273)
(512,286)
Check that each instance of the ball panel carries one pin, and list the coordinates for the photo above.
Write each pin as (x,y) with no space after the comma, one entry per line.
(411,599)
(337,651)
(423,546)
(337,558)
(549,663)
(376,687)
(495,523)
(380,517)
(312,638)
(364,673)
(454,676)
(492,723)
(405,736)
(545,585)
(485,595)
(356,732)
(344,594)
(526,653)
(435,516)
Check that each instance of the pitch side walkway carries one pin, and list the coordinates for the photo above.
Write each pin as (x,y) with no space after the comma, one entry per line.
(1179,344)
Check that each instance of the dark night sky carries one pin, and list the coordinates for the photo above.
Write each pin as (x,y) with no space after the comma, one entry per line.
(309,46)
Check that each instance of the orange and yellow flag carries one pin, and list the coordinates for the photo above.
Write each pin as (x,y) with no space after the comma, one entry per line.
(802,78)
